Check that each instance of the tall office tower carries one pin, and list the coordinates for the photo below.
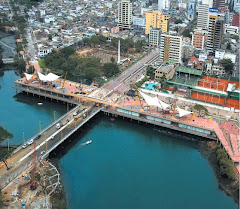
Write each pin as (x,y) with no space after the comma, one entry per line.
(215,32)
(203,16)
(171,48)
(191,10)
(163,4)
(124,14)
(219,4)
(156,19)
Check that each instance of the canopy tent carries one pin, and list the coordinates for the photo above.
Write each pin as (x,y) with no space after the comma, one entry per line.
(151,101)
(48,78)
(183,112)
(164,105)
(28,76)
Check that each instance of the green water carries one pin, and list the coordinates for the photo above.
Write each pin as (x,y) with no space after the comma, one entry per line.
(20,113)
(130,166)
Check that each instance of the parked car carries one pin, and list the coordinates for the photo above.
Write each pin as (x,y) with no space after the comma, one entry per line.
(37,137)
(24,146)
(52,137)
(58,126)
(75,113)
(30,142)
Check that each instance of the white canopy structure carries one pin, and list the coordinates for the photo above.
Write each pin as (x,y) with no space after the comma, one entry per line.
(28,76)
(151,101)
(183,112)
(48,78)
(164,105)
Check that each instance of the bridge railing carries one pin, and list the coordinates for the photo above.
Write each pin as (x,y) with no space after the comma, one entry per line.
(71,132)
(46,128)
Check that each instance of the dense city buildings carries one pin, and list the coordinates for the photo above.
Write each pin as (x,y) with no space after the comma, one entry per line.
(154,37)
(198,39)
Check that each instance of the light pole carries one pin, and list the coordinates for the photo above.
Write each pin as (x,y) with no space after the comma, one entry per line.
(39,127)
(54,115)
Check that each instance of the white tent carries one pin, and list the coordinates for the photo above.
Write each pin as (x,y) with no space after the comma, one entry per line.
(151,101)
(164,105)
(28,76)
(48,78)
(183,112)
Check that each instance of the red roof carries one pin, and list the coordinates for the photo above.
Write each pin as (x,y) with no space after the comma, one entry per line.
(235,21)
(193,59)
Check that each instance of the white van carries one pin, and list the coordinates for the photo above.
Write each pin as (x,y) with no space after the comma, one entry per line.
(58,126)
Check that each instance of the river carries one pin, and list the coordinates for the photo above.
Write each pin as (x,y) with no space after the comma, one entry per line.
(131,166)
(20,113)
(126,165)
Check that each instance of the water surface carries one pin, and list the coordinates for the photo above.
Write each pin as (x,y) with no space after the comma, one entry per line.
(129,166)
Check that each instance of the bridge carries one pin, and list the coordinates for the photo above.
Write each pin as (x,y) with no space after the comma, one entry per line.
(86,107)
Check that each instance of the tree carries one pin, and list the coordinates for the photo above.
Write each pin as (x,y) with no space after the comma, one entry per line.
(150,72)
(229,46)
(227,64)
(187,33)
(176,29)
(236,37)
(1,62)
(92,73)
(49,37)
(31,69)
(21,65)
(110,69)
(4,154)
(112,60)
(177,21)
(175,88)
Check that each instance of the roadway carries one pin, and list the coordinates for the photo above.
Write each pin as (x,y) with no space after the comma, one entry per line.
(23,157)
(134,72)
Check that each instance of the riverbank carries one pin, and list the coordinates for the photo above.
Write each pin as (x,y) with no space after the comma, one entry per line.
(58,198)
(230,187)
(164,144)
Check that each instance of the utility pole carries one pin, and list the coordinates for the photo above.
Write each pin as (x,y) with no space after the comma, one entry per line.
(23,138)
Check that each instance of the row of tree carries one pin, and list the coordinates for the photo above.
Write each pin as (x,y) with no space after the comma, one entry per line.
(66,60)
(126,44)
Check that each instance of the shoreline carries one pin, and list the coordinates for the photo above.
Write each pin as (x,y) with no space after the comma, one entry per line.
(230,187)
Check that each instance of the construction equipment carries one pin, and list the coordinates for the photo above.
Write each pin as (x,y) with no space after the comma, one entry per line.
(33,185)
(139,98)
(192,116)
(64,79)
(174,107)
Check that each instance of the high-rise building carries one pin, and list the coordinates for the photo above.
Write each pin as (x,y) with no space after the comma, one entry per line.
(156,19)
(191,10)
(198,39)
(203,16)
(154,37)
(215,32)
(171,48)
(219,4)
(163,4)
(124,14)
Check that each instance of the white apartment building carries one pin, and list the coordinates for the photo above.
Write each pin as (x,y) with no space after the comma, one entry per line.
(163,4)
(203,16)
(124,14)
(154,37)
(171,48)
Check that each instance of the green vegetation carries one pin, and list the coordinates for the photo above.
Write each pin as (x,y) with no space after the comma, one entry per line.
(4,134)
(66,60)
(177,21)
(31,70)
(227,64)
(228,46)
(20,64)
(126,44)
(187,33)
(41,63)
(226,165)
(201,109)
(139,83)
(236,37)
(150,72)
(175,88)
(4,154)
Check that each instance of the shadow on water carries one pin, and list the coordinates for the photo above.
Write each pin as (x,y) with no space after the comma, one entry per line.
(181,139)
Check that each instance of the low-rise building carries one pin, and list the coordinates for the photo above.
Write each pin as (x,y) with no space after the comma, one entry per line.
(167,70)
(217,70)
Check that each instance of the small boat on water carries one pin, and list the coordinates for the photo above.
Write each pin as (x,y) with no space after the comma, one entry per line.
(88,142)
(112,119)
(40,103)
